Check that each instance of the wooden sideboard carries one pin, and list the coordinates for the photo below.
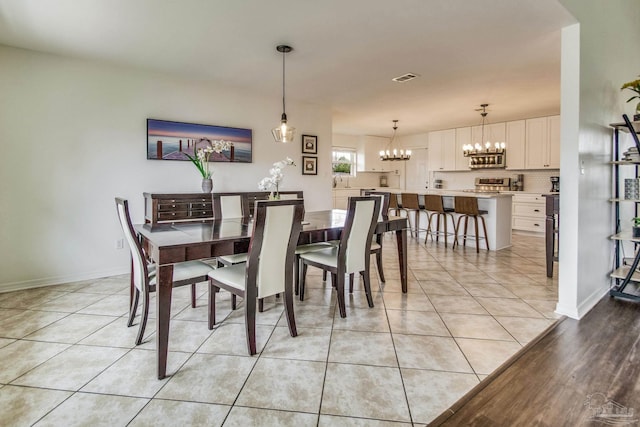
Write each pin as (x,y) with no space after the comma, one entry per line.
(177,207)
(184,207)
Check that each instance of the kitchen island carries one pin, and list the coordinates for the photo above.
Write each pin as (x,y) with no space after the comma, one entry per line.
(498,217)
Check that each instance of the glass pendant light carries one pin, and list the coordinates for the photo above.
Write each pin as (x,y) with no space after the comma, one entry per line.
(284,132)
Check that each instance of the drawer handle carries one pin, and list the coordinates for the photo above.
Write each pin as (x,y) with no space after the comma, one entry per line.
(173,206)
(537,225)
(536,210)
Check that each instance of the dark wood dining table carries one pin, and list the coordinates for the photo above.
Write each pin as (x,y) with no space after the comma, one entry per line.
(167,244)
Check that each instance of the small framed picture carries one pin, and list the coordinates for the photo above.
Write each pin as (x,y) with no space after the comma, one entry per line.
(309,165)
(309,144)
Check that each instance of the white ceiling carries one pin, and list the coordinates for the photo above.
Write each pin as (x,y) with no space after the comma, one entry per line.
(467,52)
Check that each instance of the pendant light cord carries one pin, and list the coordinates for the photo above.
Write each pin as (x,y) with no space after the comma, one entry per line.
(283,79)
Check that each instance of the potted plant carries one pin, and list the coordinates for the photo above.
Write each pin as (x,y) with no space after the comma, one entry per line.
(634,86)
(636,227)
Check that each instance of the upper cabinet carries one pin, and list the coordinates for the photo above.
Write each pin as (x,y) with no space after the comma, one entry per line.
(442,150)
(543,143)
(516,134)
(463,137)
(369,154)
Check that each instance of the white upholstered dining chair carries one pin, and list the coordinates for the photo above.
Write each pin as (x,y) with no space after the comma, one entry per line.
(352,255)
(144,273)
(269,267)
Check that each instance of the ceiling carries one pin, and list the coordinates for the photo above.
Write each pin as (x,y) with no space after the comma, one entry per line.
(502,52)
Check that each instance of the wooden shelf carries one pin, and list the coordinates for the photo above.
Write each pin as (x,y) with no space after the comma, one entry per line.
(623,126)
(625,235)
(625,200)
(621,273)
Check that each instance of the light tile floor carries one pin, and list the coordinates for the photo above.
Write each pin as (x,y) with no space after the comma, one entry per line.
(67,357)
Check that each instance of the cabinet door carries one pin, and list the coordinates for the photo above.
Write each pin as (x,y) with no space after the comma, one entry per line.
(515,140)
(553,147)
(435,151)
(448,142)
(463,137)
(537,139)
(369,153)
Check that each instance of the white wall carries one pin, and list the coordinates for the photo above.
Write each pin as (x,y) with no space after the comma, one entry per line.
(598,56)
(73,136)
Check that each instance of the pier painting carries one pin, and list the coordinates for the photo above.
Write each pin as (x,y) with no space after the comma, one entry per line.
(168,140)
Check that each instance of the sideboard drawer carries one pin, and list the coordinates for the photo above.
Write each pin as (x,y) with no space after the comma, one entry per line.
(170,206)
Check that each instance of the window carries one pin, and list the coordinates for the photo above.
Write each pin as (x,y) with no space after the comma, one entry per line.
(343,161)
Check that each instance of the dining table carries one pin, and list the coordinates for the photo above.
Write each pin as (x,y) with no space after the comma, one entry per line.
(168,243)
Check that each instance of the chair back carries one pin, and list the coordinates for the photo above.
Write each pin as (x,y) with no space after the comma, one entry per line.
(276,229)
(230,205)
(466,205)
(140,272)
(393,202)
(409,201)
(433,202)
(385,197)
(355,241)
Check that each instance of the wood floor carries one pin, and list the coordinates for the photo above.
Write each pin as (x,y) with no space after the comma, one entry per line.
(583,372)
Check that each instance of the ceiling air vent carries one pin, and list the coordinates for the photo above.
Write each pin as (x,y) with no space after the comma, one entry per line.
(405,77)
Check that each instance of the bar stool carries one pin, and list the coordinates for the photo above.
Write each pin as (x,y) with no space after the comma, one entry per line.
(467,207)
(434,206)
(409,203)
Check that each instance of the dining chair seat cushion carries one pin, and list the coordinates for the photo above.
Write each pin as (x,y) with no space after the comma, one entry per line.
(375,246)
(233,259)
(327,256)
(184,271)
(233,275)
(303,249)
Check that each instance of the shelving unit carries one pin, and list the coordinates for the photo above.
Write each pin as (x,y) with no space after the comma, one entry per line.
(625,275)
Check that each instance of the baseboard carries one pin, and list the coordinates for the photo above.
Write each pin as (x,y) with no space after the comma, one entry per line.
(58,280)
(584,307)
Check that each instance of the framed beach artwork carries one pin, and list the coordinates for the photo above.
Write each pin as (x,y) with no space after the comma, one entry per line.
(309,144)
(167,140)
(309,165)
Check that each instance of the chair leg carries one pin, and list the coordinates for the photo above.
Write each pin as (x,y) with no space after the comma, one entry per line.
(484,227)
(339,280)
(303,279)
(143,318)
(475,229)
(296,274)
(250,323)
(456,228)
(234,303)
(429,216)
(466,224)
(351,283)
(379,264)
(193,295)
(324,275)
(261,305)
(288,308)
(134,306)
(213,290)
(367,286)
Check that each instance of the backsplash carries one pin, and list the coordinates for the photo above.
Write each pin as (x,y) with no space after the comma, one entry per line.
(535,181)
(368,180)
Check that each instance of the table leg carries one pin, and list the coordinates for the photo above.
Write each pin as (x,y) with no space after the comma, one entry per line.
(164,287)
(401,240)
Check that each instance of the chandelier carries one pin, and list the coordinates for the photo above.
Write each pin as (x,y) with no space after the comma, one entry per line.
(478,148)
(283,133)
(391,153)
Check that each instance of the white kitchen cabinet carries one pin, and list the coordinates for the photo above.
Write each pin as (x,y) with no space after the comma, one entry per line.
(442,150)
(463,137)
(543,143)
(515,139)
(528,212)
(369,154)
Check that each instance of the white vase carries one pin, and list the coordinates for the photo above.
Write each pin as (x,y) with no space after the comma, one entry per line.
(207,185)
